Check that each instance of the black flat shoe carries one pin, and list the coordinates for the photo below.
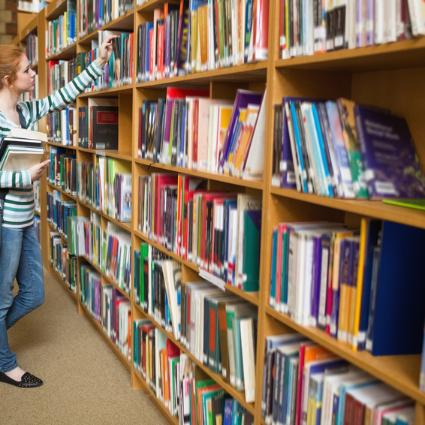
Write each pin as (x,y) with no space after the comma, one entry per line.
(27,381)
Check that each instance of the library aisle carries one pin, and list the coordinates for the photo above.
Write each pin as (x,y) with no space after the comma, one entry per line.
(50,343)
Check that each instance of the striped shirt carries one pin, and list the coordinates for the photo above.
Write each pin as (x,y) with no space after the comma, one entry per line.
(19,202)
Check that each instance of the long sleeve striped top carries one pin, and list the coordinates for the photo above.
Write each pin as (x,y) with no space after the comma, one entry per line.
(19,201)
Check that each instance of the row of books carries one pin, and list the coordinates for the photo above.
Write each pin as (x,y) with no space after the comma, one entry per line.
(218,231)
(176,381)
(188,129)
(205,402)
(61,72)
(305,384)
(194,36)
(59,210)
(98,124)
(363,289)
(62,126)
(119,70)
(157,359)
(31,48)
(109,248)
(62,32)
(108,307)
(93,14)
(157,286)
(64,264)
(313,27)
(343,149)
(62,170)
(211,324)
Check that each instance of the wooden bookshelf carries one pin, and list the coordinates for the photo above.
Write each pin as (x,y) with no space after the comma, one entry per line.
(388,75)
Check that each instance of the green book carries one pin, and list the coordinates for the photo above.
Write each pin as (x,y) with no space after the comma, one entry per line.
(417,204)
(251,250)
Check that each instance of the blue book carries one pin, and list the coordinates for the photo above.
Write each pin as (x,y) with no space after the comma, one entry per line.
(373,230)
(398,312)
(228,409)
(272,299)
(392,168)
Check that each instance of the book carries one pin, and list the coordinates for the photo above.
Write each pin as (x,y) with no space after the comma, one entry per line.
(21,149)
(417,204)
(391,165)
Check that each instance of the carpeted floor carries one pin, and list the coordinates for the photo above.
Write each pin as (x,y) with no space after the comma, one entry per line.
(85,383)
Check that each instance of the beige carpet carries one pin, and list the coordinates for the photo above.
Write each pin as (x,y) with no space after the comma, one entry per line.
(85,383)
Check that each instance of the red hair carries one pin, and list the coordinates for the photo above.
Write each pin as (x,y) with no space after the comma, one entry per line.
(10,56)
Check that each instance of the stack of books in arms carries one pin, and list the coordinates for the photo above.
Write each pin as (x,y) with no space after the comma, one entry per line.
(312,27)
(200,35)
(94,13)
(63,169)
(305,384)
(343,149)
(218,231)
(108,307)
(108,249)
(178,383)
(62,32)
(21,149)
(188,129)
(98,124)
(211,324)
(363,288)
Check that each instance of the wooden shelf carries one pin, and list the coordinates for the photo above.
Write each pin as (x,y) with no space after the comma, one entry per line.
(107,153)
(31,27)
(99,327)
(374,209)
(233,74)
(64,284)
(55,9)
(66,53)
(58,145)
(109,279)
(150,5)
(113,91)
(86,39)
(237,395)
(64,192)
(252,297)
(124,22)
(236,181)
(121,224)
(55,228)
(401,54)
(148,389)
(401,372)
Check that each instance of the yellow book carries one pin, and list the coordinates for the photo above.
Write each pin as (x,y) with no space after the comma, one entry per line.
(364,226)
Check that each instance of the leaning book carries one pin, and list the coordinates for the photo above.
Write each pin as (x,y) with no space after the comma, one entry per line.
(21,149)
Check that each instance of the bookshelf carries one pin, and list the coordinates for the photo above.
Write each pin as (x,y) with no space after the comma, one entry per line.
(388,75)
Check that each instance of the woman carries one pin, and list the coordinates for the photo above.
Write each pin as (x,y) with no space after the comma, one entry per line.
(20,256)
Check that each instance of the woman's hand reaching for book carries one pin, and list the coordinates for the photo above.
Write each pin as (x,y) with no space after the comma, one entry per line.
(105,49)
(37,170)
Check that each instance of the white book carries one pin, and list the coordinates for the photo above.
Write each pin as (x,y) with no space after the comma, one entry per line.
(248,358)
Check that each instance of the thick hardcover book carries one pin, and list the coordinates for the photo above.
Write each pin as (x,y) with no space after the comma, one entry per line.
(398,313)
(104,126)
(391,165)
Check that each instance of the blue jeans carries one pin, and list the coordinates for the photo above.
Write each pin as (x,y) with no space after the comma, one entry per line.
(20,258)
